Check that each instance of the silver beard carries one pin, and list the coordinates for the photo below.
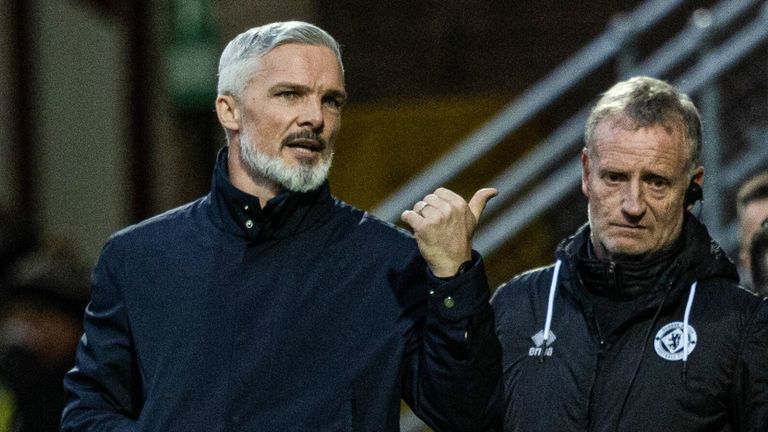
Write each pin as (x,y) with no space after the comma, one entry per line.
(303,178)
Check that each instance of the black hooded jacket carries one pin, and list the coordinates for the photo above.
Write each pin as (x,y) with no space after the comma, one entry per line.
(634,374)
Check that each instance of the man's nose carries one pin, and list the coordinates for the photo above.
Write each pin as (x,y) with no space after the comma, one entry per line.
(312,114)
(633,203)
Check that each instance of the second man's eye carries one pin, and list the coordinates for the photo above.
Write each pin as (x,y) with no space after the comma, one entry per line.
(659,183)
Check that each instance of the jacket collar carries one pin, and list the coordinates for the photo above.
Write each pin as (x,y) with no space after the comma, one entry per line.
(626,279)
(240,213)
(694,256)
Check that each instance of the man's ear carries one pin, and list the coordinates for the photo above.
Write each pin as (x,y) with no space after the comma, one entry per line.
(698,176)
(693,192)
(228,112)
(585,172)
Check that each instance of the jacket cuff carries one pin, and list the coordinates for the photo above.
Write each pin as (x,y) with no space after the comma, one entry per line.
(460,297)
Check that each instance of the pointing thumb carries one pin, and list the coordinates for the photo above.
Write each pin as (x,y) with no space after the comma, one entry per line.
(480,199)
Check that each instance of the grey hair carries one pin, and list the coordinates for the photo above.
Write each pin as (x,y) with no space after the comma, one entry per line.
(647,101)
(754,189)
(237,60)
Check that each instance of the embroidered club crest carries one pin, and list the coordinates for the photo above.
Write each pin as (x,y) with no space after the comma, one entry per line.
(669,343)
(538,341)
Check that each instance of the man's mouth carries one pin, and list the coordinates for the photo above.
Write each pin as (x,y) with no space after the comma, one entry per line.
(629,227)
(308,144)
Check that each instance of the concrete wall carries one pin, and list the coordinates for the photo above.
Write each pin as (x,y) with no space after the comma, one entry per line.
(7,180)
(80,96)
(80,100)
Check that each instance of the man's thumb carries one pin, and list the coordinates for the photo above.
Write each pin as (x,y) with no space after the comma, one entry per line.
(480,199)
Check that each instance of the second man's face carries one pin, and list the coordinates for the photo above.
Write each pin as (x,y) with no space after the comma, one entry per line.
(291,108)
(749,222)
(635,181)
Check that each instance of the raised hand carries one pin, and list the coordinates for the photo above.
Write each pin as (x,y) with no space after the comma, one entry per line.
(443,225)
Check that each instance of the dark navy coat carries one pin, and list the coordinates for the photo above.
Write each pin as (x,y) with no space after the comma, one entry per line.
(310,315)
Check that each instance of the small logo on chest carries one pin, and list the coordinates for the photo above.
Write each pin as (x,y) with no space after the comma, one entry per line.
(538,341)
(669,343)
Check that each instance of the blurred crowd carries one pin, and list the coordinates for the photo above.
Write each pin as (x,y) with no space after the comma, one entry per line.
(43,293)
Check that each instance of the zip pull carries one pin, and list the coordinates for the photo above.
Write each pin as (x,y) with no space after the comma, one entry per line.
(612,279)
(600,337)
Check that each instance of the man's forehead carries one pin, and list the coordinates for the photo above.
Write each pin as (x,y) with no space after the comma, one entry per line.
(621,121)
(756,210)
(290,55)
(612,130)
(752,216)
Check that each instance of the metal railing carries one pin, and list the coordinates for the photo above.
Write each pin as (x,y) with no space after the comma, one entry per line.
(526,106)
(694,39)
(490,236)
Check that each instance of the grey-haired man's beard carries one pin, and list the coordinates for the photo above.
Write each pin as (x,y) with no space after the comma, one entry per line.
(303,178)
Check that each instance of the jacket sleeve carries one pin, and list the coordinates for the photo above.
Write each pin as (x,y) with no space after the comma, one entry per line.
(102,390)
(452,359)
(750,398)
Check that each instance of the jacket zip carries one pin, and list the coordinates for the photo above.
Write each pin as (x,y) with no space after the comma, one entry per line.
(600,352)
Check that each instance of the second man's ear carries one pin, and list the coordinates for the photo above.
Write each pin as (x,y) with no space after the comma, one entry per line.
(585,172)
(228,112)
(692,194)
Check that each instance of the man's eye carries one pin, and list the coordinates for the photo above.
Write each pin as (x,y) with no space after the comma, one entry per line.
(290,95)
(613,177)
(333,102)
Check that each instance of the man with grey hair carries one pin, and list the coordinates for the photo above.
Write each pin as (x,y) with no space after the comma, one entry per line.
(759,259)
(751,210)
(269,305)
(640,324)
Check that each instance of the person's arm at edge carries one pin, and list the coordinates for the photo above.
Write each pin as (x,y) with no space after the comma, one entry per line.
(750,388)
(100,390)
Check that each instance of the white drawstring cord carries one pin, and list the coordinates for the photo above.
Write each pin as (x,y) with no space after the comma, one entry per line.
(687,314)
(551,303)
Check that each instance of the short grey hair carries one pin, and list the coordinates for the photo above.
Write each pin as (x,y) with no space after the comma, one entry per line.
(754,189)
(647,101)
(237,61)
